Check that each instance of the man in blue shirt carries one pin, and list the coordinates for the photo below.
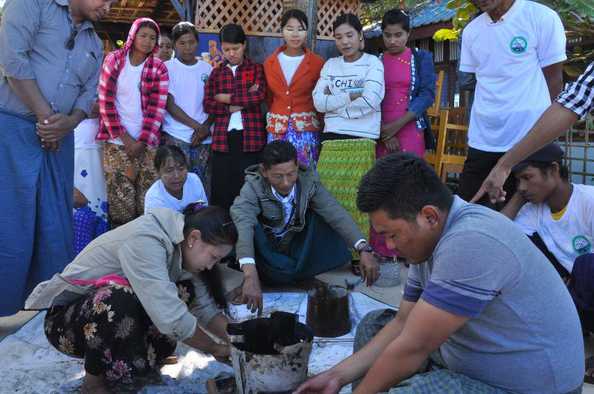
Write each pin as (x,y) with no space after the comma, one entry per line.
(50,57)
(481,302)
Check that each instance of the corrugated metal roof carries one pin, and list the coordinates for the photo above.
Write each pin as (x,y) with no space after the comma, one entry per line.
(433,12)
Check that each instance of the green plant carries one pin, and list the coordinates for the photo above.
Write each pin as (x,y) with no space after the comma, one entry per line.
(465,9)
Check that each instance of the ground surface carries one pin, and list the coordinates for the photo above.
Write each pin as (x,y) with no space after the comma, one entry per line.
(31,365)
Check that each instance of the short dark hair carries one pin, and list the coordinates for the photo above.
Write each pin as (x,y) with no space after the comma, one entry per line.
(546,166)
(401,184)
(297,14)
(349,19)
(166,151)
(232,34)
(165,34)
(216,228)
(278,152)
(396,17)
(183,28)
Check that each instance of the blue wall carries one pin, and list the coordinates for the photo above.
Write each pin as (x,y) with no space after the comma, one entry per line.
(259,48)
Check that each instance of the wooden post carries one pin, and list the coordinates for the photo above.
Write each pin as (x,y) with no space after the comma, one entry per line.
(312,16)
(310,7)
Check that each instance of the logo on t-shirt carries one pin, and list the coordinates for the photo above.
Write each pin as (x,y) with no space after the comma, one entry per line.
(518,45)
(581,245)
(349,85)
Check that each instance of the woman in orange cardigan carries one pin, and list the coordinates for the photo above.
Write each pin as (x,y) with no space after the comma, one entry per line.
(291,75)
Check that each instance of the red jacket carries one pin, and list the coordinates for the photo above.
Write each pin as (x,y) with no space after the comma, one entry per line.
(295,100)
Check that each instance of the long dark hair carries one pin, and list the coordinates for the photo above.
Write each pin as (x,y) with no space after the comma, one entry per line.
(216,228)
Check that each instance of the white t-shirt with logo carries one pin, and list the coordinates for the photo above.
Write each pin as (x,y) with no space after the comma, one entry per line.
(158,197)
(568,237)
(186,85)
(128,102)
(360,117)
(235,122)
(289,65)
(507,57)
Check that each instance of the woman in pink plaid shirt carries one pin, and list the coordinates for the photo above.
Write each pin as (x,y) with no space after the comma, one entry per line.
(132,98)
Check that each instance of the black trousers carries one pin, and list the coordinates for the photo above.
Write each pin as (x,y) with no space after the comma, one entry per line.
(477,166)
(228,170)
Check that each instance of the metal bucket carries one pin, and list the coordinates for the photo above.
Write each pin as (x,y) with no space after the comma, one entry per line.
(265,373)
(328,312)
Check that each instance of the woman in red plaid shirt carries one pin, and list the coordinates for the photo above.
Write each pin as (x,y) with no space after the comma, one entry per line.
(132,97)
(233,94)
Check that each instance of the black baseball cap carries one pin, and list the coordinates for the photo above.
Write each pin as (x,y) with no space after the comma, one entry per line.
(549,154)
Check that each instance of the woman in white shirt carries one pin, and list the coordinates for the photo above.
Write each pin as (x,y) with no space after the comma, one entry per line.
(351,86)
(176,187)
(186,124)
(90,195)
(349,93)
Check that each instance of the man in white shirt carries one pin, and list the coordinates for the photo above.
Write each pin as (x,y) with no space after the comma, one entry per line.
(559,218)
(516,49)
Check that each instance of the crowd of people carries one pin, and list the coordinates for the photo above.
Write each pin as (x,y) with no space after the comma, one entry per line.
(128,177)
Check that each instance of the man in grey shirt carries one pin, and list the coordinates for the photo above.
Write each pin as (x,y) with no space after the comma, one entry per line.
(481,302)
(50,58)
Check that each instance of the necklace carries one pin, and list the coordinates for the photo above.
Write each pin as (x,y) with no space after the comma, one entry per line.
(401,60)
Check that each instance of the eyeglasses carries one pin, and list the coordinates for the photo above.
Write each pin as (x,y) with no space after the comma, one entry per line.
(70,42)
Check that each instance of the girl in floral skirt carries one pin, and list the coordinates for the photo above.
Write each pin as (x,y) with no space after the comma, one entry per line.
(134,292)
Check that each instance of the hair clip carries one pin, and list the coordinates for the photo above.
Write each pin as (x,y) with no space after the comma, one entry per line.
(199,205)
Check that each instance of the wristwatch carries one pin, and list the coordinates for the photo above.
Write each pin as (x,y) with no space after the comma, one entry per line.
(364,247)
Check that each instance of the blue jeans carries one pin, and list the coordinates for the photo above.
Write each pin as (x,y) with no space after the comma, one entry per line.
(36,210)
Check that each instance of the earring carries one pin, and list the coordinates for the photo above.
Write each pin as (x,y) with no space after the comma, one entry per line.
(190,246)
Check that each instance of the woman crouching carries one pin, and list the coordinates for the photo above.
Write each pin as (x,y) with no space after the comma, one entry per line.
(132,293)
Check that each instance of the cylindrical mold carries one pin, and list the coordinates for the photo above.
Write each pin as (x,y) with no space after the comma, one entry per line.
(328,312)
(273,373)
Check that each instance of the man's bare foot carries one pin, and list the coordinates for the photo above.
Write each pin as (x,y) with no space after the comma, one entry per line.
(93,384)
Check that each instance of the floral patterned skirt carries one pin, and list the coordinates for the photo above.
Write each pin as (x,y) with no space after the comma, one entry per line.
(110,329)
(91,220)
(307,144)
(127,182)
